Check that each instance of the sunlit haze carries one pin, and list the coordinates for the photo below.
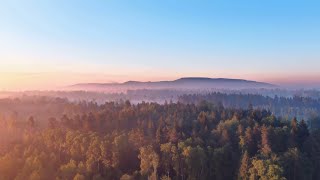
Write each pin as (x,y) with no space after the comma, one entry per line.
(159,90)
(51,44)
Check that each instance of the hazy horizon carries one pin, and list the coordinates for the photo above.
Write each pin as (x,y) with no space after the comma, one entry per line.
(50,81)
(120,90)
(45,45)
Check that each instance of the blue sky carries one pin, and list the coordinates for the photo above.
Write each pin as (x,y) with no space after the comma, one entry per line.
(268,40)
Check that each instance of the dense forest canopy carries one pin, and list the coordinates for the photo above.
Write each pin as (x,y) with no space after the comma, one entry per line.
(121,140)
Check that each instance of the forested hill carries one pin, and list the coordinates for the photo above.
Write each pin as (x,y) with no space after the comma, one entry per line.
(182,83)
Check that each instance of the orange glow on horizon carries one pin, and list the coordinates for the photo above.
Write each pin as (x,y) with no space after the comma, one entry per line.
(54,80)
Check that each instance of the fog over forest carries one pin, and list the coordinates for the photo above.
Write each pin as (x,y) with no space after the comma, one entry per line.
(160,133)
(159,90)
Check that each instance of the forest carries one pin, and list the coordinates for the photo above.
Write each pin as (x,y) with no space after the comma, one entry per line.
(301,107)
(54,138)
(159,90)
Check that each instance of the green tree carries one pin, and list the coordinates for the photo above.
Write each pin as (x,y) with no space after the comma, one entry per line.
(79,177)
(149,161)
(265,140)
(68,171)
(265,170)
(166,158)
(195,158)
(296,165)
(302,134)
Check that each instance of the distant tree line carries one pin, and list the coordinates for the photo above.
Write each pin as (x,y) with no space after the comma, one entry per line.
(287,107)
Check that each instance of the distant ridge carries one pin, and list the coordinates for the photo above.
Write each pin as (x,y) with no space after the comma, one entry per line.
(182,83)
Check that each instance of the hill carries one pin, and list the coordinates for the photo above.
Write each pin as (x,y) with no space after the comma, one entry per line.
(182,83)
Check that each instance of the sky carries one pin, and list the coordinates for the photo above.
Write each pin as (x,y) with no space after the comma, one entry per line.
(46,44)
